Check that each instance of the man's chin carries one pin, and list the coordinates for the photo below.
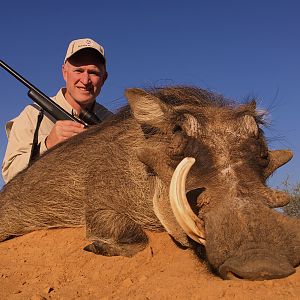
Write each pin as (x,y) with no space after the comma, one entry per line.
(85,97)
(85,101)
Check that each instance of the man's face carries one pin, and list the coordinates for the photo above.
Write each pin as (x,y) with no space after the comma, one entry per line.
(84,75)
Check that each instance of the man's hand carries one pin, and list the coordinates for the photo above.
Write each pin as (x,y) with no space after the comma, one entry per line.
(63,130)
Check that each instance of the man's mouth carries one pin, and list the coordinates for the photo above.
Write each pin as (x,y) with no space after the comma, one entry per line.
(85,90)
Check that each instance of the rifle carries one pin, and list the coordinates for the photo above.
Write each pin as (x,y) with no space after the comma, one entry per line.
(85,117)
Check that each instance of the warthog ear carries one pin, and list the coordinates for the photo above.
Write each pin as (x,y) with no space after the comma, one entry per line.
(275,198)
(248,125)
(277,159)
(146,108)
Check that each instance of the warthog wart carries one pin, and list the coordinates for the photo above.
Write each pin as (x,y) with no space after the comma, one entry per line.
(208,155)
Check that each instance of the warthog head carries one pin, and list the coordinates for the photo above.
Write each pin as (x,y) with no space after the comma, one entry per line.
(243,236)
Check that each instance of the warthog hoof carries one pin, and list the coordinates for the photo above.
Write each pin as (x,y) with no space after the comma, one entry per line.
(97,248)
(105,249)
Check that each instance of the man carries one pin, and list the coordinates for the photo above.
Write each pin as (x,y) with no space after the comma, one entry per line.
(84,71)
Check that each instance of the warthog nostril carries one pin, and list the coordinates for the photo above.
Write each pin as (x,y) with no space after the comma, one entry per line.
(232,276)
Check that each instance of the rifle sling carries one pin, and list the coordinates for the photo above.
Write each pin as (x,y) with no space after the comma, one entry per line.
(35,150)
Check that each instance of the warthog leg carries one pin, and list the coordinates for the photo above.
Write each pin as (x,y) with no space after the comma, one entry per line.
(113,234)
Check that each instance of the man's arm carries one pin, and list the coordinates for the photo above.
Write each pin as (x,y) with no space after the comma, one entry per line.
(20,132)
(20,135)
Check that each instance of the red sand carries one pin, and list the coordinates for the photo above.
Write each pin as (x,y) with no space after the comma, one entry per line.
(52,265)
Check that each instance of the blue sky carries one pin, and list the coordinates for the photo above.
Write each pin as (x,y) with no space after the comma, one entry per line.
(237,48)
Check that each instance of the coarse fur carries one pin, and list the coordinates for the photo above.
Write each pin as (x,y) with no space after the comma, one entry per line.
(114,179)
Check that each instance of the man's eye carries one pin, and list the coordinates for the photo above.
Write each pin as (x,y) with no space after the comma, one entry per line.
(96,74)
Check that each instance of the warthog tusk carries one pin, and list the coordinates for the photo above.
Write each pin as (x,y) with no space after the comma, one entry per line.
(183,213)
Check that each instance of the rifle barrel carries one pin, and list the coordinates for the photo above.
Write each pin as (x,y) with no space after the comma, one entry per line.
(16,75)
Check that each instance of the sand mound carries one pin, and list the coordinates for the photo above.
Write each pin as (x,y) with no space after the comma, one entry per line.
(52,265)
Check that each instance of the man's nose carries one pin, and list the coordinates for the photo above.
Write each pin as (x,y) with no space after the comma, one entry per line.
(85,77)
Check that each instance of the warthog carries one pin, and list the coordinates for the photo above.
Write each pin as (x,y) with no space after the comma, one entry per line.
(115,178)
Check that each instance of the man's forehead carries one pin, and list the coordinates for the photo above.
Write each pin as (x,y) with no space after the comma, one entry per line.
(84,65)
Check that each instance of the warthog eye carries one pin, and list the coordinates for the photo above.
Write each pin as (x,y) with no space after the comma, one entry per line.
(264,158)
(177,128)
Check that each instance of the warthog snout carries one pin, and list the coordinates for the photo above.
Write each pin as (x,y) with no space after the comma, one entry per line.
(256,265)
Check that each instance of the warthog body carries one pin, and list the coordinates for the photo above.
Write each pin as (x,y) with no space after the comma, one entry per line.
(115,178)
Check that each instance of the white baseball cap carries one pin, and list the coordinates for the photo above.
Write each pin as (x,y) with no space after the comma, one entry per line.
(80,44)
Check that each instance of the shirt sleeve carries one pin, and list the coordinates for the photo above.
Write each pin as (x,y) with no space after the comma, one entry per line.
(20,135)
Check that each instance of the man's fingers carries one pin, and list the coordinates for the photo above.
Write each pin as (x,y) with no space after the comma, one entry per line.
(68,132)
(63,130)
(68,128)
(69,123)
(71,129)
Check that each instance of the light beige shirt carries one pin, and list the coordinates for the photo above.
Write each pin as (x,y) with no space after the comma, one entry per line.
(20,131)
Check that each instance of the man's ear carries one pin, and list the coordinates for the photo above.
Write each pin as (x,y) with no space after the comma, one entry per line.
(105,77)
(64,71)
